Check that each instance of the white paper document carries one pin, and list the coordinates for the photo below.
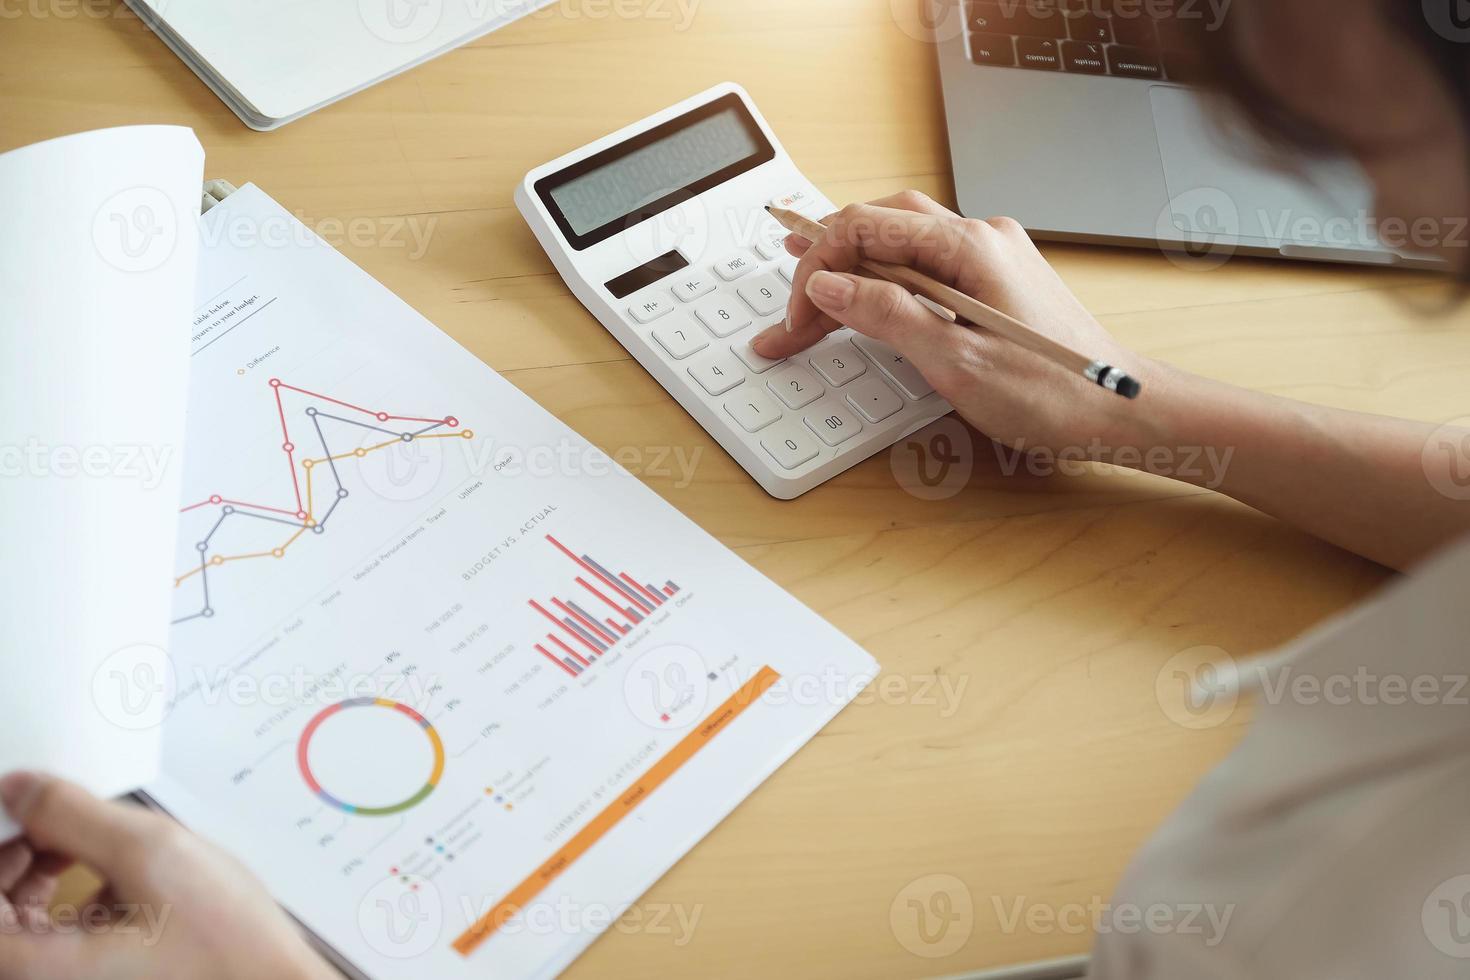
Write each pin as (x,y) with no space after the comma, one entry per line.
(454,684)
(97,262)
(273,61)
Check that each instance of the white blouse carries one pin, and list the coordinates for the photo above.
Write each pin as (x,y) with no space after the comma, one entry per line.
(1334,843)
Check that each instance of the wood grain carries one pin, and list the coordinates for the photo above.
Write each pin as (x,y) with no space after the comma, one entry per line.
(1049,605)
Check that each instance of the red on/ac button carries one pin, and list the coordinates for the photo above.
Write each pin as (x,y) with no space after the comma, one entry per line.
(794,202)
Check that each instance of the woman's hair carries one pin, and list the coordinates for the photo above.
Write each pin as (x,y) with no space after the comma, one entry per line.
(1223,69)
(1287,138)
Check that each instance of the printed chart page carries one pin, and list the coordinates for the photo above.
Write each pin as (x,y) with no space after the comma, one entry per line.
(454,684)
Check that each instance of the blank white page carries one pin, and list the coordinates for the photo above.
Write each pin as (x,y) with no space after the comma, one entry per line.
(97,260)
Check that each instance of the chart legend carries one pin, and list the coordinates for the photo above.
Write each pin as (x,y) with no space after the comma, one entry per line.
(581,635)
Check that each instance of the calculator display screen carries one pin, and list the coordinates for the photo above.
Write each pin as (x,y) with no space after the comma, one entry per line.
(645,176)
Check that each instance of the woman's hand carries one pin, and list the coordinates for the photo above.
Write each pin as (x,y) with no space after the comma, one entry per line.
(1387,489)
(1011,394)
(172,906)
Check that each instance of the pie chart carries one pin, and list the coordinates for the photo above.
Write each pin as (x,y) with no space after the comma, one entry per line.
(371,757)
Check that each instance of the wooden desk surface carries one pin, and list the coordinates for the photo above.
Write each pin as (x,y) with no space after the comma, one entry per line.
(1049,604)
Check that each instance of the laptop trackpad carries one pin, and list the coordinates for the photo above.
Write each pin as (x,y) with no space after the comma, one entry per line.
(1215,187)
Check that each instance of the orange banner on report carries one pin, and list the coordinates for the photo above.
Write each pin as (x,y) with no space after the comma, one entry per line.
(616,811)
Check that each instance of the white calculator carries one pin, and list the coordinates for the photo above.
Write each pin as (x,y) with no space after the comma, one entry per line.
(661,231)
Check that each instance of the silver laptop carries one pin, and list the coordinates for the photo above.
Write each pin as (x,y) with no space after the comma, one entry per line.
(1076,118)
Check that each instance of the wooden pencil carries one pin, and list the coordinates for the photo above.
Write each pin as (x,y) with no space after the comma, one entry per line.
(971,312)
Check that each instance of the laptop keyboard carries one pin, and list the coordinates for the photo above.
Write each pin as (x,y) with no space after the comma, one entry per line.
(1121,38)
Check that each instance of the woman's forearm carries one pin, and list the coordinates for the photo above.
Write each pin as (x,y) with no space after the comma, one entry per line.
(1387,489)
(1376,486)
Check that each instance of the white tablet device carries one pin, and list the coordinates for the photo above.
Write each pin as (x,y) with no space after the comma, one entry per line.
(660,229)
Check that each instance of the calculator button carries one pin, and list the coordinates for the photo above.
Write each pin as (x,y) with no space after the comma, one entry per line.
(794,201)
(832,423)
(790,445)
(723,315)
(838,362)
(897,367)
(795,386)
(766,294)
(680,337)
(753,409)
(787,270)
(717,373)
(754,361)
(691,289)
(770,241)
(874,400)
(650,309)
(771,248)
(734,267)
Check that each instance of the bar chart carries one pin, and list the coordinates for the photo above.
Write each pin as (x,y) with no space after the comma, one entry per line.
(582,635)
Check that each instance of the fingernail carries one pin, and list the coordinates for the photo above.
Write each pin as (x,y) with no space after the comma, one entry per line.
(830,292)
(759,340)
(18,791)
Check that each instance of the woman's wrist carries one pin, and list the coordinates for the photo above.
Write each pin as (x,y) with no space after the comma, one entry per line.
(1183,426)
(1155,422)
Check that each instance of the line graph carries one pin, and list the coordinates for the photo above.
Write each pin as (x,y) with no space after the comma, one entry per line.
(304,517)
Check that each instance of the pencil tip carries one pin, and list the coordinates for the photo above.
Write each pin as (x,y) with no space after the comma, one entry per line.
(770,210)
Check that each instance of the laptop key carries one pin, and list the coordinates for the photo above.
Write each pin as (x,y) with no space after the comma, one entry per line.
(1039,53)
(1019,18)
(1134,29)
(1135,62)
(1090,27)
(1084,58)
(993,49)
